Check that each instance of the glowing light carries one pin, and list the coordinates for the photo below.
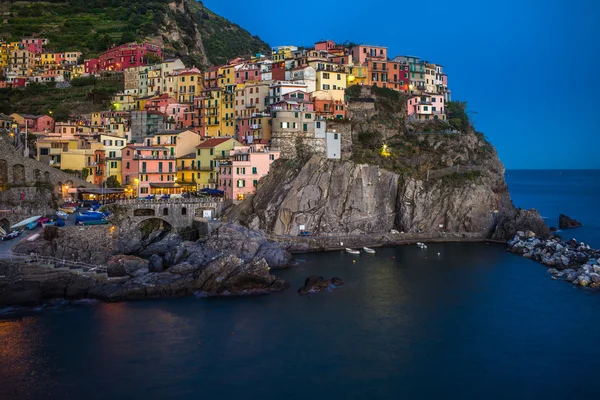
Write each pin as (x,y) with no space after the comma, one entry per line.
(385,150)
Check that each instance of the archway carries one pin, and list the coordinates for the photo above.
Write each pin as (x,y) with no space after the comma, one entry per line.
(157,227)
(144,212)
(4,223)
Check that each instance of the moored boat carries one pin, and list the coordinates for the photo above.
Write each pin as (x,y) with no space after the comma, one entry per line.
(368,250)
(352,251)
(62,215)
(94,222)
(32,225)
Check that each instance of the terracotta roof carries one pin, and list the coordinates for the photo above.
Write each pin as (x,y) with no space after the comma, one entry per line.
(212,143)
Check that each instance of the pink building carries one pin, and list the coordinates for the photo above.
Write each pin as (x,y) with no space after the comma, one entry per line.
(179,113)
(149,170)
(325,45)
(239,176)
(91,66)
(35,45)
(426,107)
(248,72)
(363,52)
(126,56)
(38,123)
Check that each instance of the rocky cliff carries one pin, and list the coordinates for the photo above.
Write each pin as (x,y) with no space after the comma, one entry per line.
(438,179)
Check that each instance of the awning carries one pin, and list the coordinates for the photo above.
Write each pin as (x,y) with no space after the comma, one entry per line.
(165,185)
(100,191)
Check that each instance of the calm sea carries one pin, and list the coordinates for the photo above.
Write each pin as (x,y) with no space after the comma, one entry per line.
(465,321)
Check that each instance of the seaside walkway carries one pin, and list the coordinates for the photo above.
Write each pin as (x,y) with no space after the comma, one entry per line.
(323,242)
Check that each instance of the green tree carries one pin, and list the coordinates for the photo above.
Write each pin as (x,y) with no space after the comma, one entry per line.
(112,182)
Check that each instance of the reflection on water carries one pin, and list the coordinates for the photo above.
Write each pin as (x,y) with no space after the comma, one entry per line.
(406,323)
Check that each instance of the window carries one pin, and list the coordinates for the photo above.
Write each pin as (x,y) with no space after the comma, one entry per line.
(319,124)
(165,211)
(113,164)
(308,116)
(339,77)
(254,172)
(305,127)
(183,211)
(271,157)
(325,75)
(212,152)
(255,182)
(326,87)
(335,136)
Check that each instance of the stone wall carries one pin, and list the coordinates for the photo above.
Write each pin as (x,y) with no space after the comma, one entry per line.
(29,187)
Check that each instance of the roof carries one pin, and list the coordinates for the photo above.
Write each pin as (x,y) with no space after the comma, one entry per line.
(190,155)
(134,147)
(172,132)
(207,144)
(164,185)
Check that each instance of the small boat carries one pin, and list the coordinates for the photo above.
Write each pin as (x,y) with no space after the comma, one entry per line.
(368,250)
(33,237)
(11,235)
(62,215)
(94,222)
(421,245)
(32,225)
(67,210)
(49,223)
(352,251)
(26,222)
(59,222)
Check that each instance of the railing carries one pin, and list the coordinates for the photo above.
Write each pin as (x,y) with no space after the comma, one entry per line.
(172,200)
(58,263)
(139,157)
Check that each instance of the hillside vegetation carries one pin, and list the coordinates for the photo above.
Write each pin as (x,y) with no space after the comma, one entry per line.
(185,28)
(86,95)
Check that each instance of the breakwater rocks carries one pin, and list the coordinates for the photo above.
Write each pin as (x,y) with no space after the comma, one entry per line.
(570,260)
(316,284)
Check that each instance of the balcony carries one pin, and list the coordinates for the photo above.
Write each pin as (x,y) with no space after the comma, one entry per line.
(212,180)
(161,157)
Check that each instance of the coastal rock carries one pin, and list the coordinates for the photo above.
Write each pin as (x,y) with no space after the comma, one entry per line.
(522,220)
(582,280)
(156,263)
(315,284)
(182,269)
(229,275)
(595,277)
(565,222)
(121,265)
(274,255)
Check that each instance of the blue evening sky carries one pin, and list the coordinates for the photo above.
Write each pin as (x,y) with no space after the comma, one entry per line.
(527,68)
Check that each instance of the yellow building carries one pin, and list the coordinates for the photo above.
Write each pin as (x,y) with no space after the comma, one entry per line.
(333,82)
(357,75)
(226,75)
(22,61)
(78,159)
(124,102)
(114,167)
(189,84)
(208,154)
(6,50)
(282,53)
(210,113)
(187,171)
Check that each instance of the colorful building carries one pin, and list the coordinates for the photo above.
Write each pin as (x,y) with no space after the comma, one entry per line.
(363,52)
(426,107)
(208,155)
(149,170)
(124,56)
(239,176)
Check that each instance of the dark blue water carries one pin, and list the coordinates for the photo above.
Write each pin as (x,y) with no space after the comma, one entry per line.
(472,322)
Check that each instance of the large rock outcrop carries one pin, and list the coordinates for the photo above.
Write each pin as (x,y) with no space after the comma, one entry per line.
(345,198)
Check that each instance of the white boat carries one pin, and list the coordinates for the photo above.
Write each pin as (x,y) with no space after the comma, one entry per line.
(25,222)
(352,251)
(33,237)
(368,250)
(421,245)
(62,215)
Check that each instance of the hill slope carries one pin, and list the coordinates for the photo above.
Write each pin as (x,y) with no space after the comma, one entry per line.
(185,28)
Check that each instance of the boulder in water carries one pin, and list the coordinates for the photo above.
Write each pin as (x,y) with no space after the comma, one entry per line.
(565,222)
(316,284)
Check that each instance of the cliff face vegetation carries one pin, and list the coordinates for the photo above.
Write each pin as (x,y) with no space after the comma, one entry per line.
(438,176)
(185,28)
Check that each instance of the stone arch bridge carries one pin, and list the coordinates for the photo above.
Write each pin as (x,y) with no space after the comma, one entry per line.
(178,213)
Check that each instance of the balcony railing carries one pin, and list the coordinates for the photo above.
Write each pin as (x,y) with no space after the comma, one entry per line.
(161,157)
